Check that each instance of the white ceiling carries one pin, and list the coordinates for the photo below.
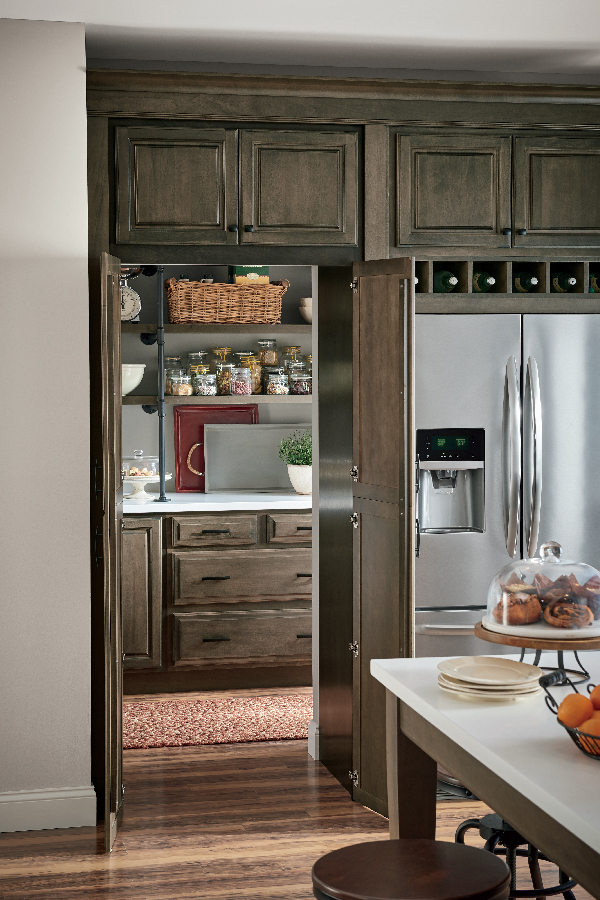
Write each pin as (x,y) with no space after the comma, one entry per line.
(538,36)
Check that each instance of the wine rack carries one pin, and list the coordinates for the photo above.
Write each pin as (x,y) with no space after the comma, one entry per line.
(503,271)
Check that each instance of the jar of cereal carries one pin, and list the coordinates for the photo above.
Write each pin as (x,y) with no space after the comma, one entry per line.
(278,384)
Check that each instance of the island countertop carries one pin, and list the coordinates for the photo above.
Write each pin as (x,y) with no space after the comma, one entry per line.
(219,502)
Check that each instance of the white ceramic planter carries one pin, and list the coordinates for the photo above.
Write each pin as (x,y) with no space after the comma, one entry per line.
(301,478)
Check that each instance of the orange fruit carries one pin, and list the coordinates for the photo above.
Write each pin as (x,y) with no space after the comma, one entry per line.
(595,697)
(592,727)
(575,709)
(596,714)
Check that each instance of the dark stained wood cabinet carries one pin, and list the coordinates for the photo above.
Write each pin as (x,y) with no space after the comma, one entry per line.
(453,189)
(557,191)
(141,592)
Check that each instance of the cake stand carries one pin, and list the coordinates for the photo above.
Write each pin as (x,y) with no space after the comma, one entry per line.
(539,644)
(139,482)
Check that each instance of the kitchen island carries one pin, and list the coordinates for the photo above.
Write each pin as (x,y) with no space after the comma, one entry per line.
(512,755)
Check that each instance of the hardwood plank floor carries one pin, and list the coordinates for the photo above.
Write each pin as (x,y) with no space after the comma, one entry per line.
(206,823)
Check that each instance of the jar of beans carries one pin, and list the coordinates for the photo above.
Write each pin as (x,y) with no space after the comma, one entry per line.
(300,383)
(267,353)
(181,385)
(204,382)
(241,382)
(278,384)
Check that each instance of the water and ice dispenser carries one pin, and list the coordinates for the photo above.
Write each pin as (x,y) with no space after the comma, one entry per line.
(451,480)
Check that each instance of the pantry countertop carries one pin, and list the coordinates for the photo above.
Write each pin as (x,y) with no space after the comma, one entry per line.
(217,502)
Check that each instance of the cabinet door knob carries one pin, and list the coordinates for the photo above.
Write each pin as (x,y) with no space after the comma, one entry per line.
(248,227)
(507,231)
(521,231)
(233,228)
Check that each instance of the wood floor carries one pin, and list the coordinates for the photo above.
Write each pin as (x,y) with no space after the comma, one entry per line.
(220,822)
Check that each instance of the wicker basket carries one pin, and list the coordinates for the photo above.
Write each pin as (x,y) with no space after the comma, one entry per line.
(192,301)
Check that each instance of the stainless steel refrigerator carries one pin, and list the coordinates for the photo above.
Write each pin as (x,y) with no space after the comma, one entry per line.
(522,393)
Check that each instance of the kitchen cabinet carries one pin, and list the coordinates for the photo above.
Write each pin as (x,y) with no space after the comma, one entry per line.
(141,592)
(179,185)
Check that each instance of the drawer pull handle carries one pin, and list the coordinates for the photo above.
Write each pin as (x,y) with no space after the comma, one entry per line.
(304,635)
(303,574)
(214,640)
(216,577)
(216,531)
(304,528)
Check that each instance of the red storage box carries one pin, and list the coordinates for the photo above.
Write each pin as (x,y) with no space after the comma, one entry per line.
(189,422)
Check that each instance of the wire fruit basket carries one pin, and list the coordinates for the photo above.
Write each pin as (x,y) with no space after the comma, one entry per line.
(587,743)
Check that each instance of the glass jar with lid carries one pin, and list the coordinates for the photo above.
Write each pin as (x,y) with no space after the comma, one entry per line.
(223,365)
(139,466)
(181,385)
(308,361)
(249,361)
(295,366)
(266,372)
(219,355)
(300,383)
(172,364)
(267,352)
(241,382)
(545,597)
(204,382)
(198,358)
(278,383)
(290,354)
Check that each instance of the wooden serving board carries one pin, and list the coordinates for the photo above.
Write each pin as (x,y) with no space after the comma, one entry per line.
(511,640)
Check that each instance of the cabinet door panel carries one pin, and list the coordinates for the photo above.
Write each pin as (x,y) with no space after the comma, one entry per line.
(557,192)
(255,638)
(453,189)
(299,187)
(176,185)
(141,592)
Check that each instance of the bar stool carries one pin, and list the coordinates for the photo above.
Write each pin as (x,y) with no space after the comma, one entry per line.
(502,838)
(410,870)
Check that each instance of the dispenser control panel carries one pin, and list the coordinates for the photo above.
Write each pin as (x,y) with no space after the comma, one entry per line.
(451,444)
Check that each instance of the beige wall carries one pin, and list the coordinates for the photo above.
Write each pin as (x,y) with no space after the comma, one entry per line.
(44,450)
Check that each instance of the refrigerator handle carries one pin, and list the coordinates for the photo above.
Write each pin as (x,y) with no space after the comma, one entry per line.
(532,456)
(511,456)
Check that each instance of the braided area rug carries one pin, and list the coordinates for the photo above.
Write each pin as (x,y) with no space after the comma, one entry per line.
(180,723)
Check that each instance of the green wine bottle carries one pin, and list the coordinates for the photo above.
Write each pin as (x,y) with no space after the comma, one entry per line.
(524,282)
(482,281)
(561,283)
(594,282)
(444,281)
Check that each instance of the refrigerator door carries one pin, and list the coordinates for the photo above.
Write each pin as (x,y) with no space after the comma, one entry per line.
(567,350)
(460,375)
(449,632)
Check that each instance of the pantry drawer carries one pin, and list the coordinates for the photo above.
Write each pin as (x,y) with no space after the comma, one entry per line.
(205,576)
(260,638)
(214,531)
(289,529)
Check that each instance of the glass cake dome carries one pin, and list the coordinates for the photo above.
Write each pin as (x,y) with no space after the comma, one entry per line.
(545,597)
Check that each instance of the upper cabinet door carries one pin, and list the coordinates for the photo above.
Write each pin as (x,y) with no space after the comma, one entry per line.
(176,185)
(453,190)
(557,192)
(298,187)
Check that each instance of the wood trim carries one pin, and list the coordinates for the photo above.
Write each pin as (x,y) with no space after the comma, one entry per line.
(412,784)
(376,192)
(248,662)
(505,304)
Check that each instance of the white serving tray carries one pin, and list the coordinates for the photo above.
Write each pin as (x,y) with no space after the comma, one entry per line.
(544,631)
(246,457)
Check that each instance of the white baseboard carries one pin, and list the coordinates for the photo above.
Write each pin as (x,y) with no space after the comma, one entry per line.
(54,808)
(313,739)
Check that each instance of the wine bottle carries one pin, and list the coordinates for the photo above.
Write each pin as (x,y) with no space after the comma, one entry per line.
(444,281)
(482,281)
(594,282)
(561,282)
(524,282)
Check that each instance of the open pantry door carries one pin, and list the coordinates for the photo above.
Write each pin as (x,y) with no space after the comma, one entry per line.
(107,512)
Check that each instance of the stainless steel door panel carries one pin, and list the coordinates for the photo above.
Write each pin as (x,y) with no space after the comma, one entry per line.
(449,632)
(460,371)
(567,351)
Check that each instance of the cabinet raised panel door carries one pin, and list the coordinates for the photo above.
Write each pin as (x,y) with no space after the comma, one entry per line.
(176,185)
(557,192)
(452,190)
(298,187)
(141,592)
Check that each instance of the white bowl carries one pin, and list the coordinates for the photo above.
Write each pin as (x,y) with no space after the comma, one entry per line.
(132,374)
(306,313)
(305,301)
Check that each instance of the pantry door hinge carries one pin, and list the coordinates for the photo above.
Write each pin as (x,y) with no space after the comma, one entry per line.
(354,520)
(354,648)
(353,775)
(354,473)
(354,285)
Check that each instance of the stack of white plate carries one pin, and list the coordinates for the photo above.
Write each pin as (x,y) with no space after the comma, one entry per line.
(489,678)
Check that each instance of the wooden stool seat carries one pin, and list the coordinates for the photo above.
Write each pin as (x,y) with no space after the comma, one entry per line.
(410,870)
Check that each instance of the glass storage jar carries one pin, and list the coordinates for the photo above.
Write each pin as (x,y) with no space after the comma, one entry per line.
(308,361)
(547,596)
(300,383)
(181,385)
(295,366)
(220,355)
(249,361)
(204,382)
(290,354)
(223,365)
(267,352)
(198,358)
(172,364)
(139,466)
(241,382)
(278,384)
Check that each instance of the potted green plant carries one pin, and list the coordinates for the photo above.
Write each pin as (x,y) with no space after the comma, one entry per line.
(296,451)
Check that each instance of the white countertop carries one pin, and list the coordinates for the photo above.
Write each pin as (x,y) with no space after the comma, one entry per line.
(520,741)
(221,501)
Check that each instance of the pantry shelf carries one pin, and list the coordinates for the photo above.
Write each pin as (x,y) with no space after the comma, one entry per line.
(216,328)
(149,400)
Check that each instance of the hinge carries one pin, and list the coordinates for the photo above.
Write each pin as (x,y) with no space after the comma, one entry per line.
(353,775)
(354,285)
(354,520)
(354,648)
(354,473)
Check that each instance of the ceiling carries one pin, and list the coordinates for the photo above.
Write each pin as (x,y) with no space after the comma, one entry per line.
(514,36)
